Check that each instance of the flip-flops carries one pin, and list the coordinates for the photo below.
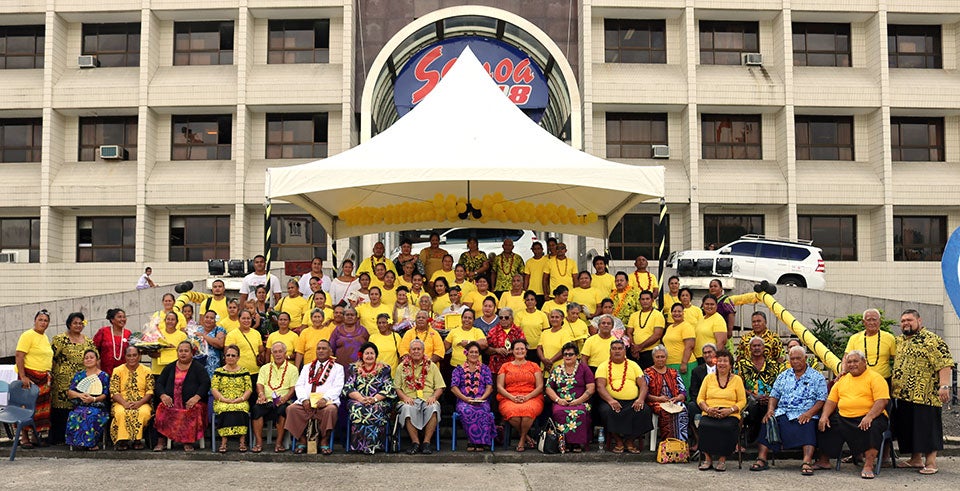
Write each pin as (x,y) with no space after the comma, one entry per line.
(928,471)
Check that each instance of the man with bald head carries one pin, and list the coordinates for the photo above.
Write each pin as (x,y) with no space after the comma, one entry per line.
(880,347)
(505,266)
(378,257)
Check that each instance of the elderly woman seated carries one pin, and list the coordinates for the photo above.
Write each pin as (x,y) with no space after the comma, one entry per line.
(472,384)
(794,406)
(520,393)
(623,390)
(231,388)
(89,391)
(369,392)
(665,396)
(860,396)
(182,389)
(721,399)
(318,399)
(570,387)
(419,385)
(131,387)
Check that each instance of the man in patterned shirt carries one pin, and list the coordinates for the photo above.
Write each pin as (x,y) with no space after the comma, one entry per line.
(758,373)
(505,266)
(921,384)
(772,346)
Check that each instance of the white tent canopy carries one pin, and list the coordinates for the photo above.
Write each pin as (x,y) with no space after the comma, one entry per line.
(465,132)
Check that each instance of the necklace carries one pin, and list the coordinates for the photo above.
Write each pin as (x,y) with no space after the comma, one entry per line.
(113,345)
(320,372)
(283,375)
(636,277)
(725,384)
(621,299)
(410,380)
(566,265)
(623,379)
(471,379)
(877,359)
(509,267)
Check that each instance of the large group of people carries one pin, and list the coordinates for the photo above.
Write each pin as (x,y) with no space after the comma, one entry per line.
(409,338)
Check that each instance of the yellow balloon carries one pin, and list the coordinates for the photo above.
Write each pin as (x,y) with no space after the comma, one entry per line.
(461,207)
(592,217)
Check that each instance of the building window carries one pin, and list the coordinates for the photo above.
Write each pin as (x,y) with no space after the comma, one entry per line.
(21,47)
(106,239)
(722,42)
(636,235)
(912,46)
(824,137)
(21,235)
(919,238)
(112,44)
(917,139)
(718,230)
(821,44)
(634,41)
(20,140)
(205,137)
(630,135)
(731,136)
(296,136)
(198,238)
(835,235)
(118,130)
(299,41)
(203,43)
(297,238)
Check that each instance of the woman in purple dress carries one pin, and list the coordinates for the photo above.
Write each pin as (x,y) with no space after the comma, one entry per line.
(347,338)
(570,386)
(472,383)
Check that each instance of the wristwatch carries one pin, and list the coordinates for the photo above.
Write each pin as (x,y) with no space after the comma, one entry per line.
(944,387)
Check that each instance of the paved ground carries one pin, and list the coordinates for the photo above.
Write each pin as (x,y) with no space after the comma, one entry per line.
(79,473)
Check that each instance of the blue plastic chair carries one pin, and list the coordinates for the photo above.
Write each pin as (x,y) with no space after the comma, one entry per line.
(333,436)
(19,411)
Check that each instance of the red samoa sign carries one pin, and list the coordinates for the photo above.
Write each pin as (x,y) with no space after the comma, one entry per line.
(519,77)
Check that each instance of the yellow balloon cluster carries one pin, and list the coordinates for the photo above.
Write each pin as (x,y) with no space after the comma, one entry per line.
(449,207)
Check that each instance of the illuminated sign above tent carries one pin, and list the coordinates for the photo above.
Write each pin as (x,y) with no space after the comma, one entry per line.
(520,79)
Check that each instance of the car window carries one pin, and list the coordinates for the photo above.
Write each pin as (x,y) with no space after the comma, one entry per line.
(771,251)
(744,249)
(457,236)
(797,253)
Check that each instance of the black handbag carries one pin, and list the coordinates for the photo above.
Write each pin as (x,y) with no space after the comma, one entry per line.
(773,432)
(549,442)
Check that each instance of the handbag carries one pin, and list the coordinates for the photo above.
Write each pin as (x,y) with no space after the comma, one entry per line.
(549,441)
(672,451)
(773,432)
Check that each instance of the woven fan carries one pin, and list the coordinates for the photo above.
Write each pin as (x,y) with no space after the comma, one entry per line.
(91,385)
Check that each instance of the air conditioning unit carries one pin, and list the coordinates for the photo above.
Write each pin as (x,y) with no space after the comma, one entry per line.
(15,256)
(661,151)
(111,152)
(752,59)
(87,61)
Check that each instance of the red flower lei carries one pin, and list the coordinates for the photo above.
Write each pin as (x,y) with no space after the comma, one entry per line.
(319,377)
(415,383)
(283,375)
(623,380)
(471,380)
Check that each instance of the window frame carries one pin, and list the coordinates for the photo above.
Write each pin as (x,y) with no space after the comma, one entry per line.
(33,151)
(622,28)
(620,118)
(181,251)
(708,55)
(282,251)
(832,249)
(38,32)
(718,236)
(278,55)
(87,251)
(932,34)
(223,54)
(128,57)
(936,248)
(618,249)
(897,146)
(841,58)
(222,149)
(320,130)
(33,242)
(745,147)
(129,142)
(805,151)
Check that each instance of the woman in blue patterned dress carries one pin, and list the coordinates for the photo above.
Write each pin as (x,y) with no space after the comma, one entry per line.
(89,390)
(369,391)
(213,335)
(472,383)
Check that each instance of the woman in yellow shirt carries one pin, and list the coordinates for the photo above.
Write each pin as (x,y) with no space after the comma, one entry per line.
(442,287)
(721,399)
(532,321)
(387,342)
(170,337)
(671,296)
(623,389)
(284,335)
(34,359)
(458,339)
(586,295)
(294,303)
(553,339)
(250,343)
(712,328)
(232,322)
(691,313)
(680,339)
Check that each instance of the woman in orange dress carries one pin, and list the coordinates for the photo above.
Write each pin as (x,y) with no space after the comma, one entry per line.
(520,393)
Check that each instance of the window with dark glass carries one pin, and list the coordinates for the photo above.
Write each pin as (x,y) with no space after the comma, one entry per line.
(20,140)
(299,41)
(731,136)
(296,136)
(824,137)
(722,42)
(719,230)
(113,44)
(21,47)
(199,238)
(636,235)
(917,139)
(112,130)
(634,41)
(297,238)
(821,44)
(106,239)
(21,235)
(917,238)
(836,235)
(205,137)
(203,43)
(631,135)
(910,46)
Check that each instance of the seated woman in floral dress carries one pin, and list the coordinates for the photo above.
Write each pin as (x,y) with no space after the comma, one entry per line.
(570,387)
(231,388)
(472,384)
(89,390)
(369,391)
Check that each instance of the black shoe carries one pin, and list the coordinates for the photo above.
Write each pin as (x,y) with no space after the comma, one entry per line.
(414,449)
(425,449)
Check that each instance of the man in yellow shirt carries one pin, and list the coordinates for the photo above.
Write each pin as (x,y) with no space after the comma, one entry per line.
(596,349)
(880,347)
(533,272)
(505,265)
(643,279)
(513,297)
(559,271)
(377,258)
(645,328)
(217,302)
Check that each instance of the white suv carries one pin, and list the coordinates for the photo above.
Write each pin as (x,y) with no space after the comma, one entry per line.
(489,240)
(757,258)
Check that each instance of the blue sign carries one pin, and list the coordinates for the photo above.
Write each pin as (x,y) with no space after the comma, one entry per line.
(950,268)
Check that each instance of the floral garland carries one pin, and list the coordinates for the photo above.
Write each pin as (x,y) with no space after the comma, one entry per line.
(363,373)
(623,379)
(621,300)
(471,380)
(283,376)
(319,377)
(414,382)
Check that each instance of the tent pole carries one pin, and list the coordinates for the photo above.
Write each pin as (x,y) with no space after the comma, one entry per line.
(267,236)
(662,249)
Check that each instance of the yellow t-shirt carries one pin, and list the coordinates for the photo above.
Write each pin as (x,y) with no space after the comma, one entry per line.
(580,329)
(449,275)
(218,306)
(181,320)
(693,315)
(673,340)
(475,300)
(466,287)
(455,337)
(442,302)
(534,268)
(603,284)
(597,349)
(552,342)
(289,340)
(403,282)
(705,332)
(376,282)
(368,315)
(387,345)
(877,360)
(39,353)
(249,345)
(668,301)
(643,281)
(643,325)
(532,324)
(308,316)
(550,306)
(307,342)
(588,297)
(733,395)
(296,307)
(366,266)
(229,324)
(432,342)
(859,393)
(630,389)
(168,354)
(512,301)
(388,297)
(561,273)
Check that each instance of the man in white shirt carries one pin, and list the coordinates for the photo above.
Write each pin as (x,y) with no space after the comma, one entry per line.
(145,281)
(318,397)
(257,278)
(316,270)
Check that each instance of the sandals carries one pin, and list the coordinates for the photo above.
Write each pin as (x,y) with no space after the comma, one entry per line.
(906,464)
(632,449)
(705,466)
(122,447)
(223,446)
(521,447)
(279,449)
(867,474)
(160,447)
(188,448)
(257,449)
(243,445)
(618,449)
(301,449)
(471,448)
(720,467)
(760,465)
(928,471)
(326,450)
(806,469)
(27,444)
(137,445)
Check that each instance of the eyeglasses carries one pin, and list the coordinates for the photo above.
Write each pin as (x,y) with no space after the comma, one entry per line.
(569,354)
(230,355)
(506,317)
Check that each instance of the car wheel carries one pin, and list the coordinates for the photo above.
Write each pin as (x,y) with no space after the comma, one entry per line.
(794,281)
